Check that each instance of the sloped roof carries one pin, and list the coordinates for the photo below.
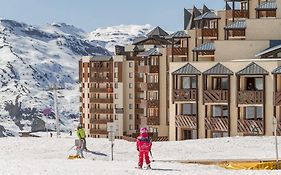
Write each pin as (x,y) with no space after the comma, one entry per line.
(269,50)
(138,48)
(160,39)
(139,39)
(187,19)
(150,52)
(187,69)
(178,34)
(157,31)
(277,70)
(210,46)
(252,69)
(205,9)
(270,5)
(208,15)
(101,58)
(218,69)
(240,24)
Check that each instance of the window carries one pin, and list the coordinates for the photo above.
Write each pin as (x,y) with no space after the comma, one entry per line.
(152,95)
(130,75)
(254,84)
(130,96)
(130,106)
(116,117)
(116,64)
(116,106)
(189,109)
(220,111)
(115,75)
(130,85)
(130,64)
(152,78)
(219,83)
(130,116)
(254,113)
(130,127)
(188,82)
(116,96)
(116,85)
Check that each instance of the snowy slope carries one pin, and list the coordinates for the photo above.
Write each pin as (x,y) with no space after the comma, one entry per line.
(48,156)
(34,58)
(123,35)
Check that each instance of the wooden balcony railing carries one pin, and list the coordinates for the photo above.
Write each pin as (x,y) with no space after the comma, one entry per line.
(277,98)
(143,69)
(208,32)
(152,86)
(153,120)
(138,89)
(154,69)
(98,131)
(143,104)
(265,14)
(139,111)
(102,69)
(189,122)
(184,95)
(101,111)
(216,124)
(237,33)
(237,14)
(101,90)
(139,79)
(177,51)
(215,96)
(278,128)
(101,100)
(100,121)
(102,79)
(153,103)
(250,97)
(138,100)
(250,127)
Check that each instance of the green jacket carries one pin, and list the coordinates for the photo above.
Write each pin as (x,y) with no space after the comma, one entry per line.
(81,133)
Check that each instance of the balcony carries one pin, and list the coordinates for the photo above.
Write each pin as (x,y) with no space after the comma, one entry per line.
(236,33)
(138,121)
(143,104)
(153,103)
(152,86)
(139,79)
(184,95)
(102,79)
(216,124)
(101,90)
(177,51)
(208,32)
(250,127)
(138,100)
(250,97)
(215,96)
(101,100)
(185,121)
(102,69)
(100,121)
(237,14)
(267,14)
(153,120)
(101,111)
(143,69)
(98,131)
(277,99)
(154,69)
(139,111)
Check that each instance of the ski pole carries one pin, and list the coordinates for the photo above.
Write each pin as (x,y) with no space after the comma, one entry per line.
(151,154)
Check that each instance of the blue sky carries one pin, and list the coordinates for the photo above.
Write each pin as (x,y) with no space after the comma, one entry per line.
(91,14)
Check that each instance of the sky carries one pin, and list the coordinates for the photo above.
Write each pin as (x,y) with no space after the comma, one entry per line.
(92,14)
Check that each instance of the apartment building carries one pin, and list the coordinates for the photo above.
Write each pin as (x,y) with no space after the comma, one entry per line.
(231,85)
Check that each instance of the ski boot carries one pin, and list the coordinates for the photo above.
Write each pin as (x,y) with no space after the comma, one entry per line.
(148,167)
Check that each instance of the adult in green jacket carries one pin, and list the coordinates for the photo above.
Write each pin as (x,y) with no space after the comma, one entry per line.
(81,135)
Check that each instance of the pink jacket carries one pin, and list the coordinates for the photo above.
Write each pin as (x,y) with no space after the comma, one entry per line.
(144,142)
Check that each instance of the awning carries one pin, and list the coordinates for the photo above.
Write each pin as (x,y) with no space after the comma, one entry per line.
(218,69)
(187,69)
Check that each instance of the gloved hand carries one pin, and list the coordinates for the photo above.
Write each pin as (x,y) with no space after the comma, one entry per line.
(138,149)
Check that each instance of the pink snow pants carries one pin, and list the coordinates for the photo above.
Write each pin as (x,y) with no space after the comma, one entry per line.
(145,155)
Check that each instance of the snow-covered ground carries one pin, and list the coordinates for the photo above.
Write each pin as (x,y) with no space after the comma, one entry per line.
(49,156)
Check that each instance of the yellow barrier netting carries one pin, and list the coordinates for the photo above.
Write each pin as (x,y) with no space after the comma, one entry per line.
(249,165)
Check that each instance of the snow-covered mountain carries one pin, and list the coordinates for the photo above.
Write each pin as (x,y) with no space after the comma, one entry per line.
(122,35)
(35,58)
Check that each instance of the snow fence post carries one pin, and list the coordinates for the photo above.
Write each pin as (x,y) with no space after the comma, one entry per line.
(276,142)
(111,129)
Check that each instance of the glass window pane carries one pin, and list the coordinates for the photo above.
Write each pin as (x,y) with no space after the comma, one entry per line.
(194,109)
(185,82)
(250,112)
(225,111)
(186,109)
(193,82)
(224,83)
(259,112)
(258,83)
(216,111)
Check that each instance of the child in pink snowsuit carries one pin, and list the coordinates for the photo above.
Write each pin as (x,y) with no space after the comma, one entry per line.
(144,144)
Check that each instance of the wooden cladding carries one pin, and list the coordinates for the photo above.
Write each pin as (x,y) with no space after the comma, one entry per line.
(154,69)
(152,86)
(149,104)
(251,127)
(101,111)
(237,14)
(148,69)
(98,131)
(215,96)
(177,51)
(102,79)
(153,120)
(120,71)
(236,33)
(101,90)
(277,99)
(100,121)
(266,14)
(100,100)
(208,32)
(250,97)
(139,111)
(184,94)
(216,124)
(188,122)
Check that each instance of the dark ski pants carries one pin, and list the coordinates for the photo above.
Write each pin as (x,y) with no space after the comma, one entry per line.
(143,154)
